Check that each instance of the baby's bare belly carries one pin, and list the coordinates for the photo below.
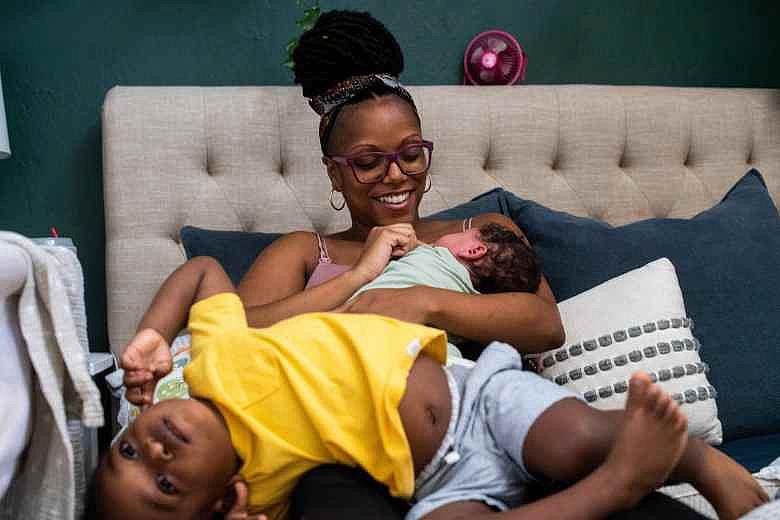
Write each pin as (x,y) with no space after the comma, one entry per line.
(425,410)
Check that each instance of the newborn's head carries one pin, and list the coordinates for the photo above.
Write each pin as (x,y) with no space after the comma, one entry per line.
(175,460)
(497,259)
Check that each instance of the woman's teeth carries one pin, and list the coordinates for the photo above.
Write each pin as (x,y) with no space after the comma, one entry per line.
(396,198)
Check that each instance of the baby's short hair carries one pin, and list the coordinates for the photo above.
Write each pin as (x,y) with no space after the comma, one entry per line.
(510,265)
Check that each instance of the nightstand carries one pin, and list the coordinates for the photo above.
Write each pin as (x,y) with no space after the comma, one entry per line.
(100,364)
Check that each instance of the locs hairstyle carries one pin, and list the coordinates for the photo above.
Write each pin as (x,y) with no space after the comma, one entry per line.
(340,46)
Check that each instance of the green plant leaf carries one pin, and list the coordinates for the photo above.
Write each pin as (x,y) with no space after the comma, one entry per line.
(309,18)
(310,15)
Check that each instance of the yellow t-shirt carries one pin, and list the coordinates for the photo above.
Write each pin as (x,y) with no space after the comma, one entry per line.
(315,389)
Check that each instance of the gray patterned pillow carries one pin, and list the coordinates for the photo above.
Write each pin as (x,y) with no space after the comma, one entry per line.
(636,321)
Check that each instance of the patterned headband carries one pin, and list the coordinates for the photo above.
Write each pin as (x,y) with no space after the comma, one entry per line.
(327,103)
(345,90)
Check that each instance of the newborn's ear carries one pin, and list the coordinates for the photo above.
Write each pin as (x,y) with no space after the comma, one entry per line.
(234,504)
(473,252)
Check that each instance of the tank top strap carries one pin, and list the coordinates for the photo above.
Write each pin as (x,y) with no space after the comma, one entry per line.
(466,224)
(324,258)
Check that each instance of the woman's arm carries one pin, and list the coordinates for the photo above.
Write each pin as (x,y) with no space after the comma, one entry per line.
(530,322)
(524,320)
(527,321)
(273,289)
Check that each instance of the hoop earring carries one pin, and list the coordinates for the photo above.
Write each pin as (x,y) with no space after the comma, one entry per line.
(332,205)
(428,184)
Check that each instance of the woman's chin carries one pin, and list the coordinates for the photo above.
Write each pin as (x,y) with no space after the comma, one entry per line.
(402,212)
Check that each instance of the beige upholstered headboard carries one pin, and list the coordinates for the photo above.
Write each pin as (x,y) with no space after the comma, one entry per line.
(248,158)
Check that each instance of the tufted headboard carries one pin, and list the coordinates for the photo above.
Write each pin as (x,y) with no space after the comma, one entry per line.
(247,158)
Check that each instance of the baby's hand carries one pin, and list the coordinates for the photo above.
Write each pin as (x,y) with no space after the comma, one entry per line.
(146,359)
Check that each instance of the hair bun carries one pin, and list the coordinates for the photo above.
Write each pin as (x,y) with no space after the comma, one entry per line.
(343,44)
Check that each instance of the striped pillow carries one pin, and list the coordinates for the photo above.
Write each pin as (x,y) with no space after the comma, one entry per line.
(636,321)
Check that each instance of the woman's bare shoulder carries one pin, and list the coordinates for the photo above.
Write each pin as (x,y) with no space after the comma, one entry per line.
(284,262)
(296,239)
(291,245)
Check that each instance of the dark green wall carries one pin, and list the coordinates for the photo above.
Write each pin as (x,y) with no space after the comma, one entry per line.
(58,59)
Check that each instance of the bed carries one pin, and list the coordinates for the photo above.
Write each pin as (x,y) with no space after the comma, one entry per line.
(248,159)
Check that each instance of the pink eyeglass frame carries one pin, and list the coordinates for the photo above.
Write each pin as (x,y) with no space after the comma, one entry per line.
(392,157)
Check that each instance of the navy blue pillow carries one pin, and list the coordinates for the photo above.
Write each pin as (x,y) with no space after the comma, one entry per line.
(235,250)
(493,201)
(728,262)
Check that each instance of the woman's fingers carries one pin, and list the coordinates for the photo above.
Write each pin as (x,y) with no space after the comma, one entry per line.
(403,230)
(382,244)
(404,245)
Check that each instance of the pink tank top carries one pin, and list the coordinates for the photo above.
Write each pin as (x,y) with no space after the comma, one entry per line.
(325,268)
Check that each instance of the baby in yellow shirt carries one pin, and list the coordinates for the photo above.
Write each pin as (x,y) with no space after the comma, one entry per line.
(364,390)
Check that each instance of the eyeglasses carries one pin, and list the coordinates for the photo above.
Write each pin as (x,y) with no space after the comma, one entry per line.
(371,167)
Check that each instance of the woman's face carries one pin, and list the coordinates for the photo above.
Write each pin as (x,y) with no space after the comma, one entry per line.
(383,124)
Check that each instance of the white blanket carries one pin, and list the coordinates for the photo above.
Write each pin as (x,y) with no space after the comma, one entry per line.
(45,487)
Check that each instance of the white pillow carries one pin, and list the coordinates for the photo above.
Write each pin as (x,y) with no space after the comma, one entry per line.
(633,322)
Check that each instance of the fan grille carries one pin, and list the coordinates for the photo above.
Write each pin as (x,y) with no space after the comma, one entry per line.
(507,68)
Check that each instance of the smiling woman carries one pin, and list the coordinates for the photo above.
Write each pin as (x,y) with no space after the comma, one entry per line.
(378,160)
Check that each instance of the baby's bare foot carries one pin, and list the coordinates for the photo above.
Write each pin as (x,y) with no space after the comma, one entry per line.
(649,442)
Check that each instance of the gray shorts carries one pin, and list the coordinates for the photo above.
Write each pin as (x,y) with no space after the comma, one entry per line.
(494,405)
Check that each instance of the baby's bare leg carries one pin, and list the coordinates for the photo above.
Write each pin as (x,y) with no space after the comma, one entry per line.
(571,439)
(647,445)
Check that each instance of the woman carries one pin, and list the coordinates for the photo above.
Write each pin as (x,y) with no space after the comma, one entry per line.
(370,116)
(377,159)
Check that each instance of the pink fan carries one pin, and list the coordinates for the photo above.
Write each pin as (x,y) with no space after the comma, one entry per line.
(494,58)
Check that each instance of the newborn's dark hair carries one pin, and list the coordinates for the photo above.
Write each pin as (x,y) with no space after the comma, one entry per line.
(509,266)
(343,44)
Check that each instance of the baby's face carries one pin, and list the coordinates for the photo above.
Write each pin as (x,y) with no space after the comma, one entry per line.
(463,245)
(175,459)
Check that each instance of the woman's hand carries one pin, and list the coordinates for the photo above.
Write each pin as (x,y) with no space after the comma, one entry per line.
(146,359)
(402,304)
(382,244)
